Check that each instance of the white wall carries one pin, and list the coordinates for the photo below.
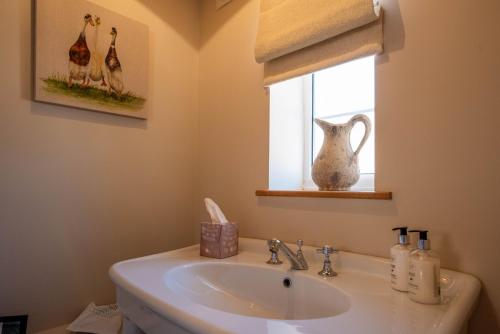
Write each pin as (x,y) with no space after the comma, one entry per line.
(81,190)
(437,140)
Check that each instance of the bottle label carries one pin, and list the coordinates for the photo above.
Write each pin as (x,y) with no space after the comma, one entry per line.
(393,271)
(399,270)
(412,283)
(423,282)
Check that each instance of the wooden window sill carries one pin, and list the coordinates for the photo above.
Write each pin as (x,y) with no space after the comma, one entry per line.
(383,195)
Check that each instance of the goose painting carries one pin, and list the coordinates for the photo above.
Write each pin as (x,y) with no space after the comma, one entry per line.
(106,73)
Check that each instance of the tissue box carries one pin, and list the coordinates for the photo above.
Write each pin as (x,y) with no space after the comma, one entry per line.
(219,240)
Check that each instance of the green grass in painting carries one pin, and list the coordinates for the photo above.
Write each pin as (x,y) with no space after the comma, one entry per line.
(58,84)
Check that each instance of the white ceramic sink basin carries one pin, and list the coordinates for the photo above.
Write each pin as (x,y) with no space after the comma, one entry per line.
(270,293)
(179,292)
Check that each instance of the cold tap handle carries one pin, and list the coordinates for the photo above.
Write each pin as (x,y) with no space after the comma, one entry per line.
(326,250)
(327,270)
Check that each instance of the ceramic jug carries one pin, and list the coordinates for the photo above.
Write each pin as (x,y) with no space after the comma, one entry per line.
(336,166)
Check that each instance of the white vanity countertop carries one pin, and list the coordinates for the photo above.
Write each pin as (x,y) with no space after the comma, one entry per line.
(374,306)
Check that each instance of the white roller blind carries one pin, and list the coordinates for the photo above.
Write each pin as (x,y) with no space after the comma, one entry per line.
(297,37)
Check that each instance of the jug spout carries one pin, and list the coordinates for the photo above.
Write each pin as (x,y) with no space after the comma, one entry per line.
(324,125)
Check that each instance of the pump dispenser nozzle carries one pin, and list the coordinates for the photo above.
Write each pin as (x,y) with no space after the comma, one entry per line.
(403,234)
(423,242)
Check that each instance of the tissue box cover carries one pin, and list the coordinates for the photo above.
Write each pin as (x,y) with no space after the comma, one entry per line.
(219,240)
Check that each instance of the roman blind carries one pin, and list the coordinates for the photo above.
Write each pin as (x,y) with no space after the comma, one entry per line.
(297,37)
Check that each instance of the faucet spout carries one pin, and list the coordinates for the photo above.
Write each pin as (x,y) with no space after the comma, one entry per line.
(297,261)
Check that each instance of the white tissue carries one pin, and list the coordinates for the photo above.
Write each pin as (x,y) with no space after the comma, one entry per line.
(215,212)
(106,319)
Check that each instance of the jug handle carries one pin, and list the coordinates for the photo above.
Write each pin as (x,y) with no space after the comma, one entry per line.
(368,128)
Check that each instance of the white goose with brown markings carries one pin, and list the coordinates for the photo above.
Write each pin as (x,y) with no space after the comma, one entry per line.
(79,56)
(113,67)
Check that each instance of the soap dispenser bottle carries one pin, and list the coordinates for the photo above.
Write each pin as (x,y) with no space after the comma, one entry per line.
(424,275)
(400,261)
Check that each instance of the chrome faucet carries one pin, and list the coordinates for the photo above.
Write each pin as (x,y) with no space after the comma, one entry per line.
(297,260)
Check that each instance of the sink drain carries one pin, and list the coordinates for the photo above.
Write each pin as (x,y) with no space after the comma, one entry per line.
(287,282)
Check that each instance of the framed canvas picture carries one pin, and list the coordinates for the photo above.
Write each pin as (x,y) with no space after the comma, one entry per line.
(90,57)
(13,325)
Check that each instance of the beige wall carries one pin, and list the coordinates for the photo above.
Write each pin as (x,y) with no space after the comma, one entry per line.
(81,190)
(438,115)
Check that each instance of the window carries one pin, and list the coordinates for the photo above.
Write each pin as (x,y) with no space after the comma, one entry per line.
(335,95)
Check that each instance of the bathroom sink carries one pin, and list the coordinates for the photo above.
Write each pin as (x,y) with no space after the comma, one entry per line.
(180,292)
(255,291)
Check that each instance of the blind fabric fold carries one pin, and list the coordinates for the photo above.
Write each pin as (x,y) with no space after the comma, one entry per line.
(296,37)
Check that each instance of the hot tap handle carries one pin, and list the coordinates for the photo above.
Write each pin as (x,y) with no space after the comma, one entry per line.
(273,245)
